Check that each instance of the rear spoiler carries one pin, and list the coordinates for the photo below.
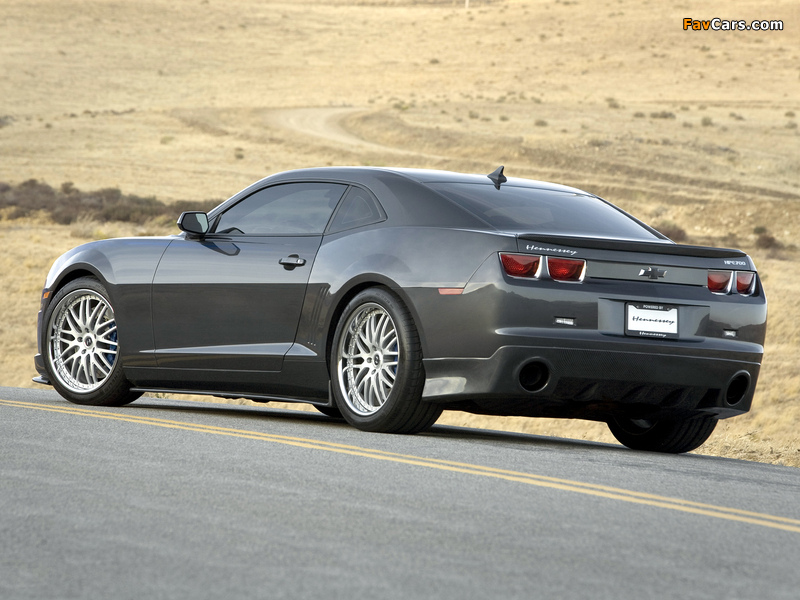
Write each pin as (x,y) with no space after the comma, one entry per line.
(665,247)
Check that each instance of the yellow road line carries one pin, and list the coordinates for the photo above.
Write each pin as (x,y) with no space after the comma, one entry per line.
(602,491)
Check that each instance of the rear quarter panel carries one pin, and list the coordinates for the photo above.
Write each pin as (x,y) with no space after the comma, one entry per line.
(412,261)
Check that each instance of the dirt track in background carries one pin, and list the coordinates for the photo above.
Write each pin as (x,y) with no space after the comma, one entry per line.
(326,124)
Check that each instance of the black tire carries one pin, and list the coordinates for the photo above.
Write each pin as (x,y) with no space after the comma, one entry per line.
(81,346)
(329,411)
(671,436)
(376,366)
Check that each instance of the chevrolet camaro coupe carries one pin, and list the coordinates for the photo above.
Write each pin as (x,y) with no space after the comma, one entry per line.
(385,296)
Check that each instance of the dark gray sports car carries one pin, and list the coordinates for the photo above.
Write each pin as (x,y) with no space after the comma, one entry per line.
(388,295)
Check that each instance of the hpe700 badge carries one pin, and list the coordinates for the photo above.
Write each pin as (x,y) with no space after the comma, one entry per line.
(651,320)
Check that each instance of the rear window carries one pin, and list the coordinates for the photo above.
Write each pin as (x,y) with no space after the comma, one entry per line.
(527,210)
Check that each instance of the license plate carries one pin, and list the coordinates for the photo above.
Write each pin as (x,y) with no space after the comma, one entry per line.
(651,320)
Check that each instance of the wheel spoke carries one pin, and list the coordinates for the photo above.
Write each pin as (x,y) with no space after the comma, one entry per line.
(70,358)
(66,345)
(76,368)
(83,312)
(387,377)
(93,318)
(362,341)
(386,330)
(101,365)
(376,399)
(107,334)
(73,321)
(86,369)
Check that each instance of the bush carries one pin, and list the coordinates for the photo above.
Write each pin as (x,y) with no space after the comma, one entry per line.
(767,242)
(68,204)
(672,231)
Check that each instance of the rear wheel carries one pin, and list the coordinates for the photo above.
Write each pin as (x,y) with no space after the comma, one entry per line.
(673,436)
(82,347)
(376,366)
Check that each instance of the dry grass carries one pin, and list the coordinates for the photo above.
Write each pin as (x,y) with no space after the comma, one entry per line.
(194,99)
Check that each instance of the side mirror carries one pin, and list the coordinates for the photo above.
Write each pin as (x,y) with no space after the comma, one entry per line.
(194,222)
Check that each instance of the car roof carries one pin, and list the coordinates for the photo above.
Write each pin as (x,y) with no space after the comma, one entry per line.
(424,176)
(410,197)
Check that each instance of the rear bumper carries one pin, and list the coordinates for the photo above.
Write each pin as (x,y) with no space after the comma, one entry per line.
(597,380)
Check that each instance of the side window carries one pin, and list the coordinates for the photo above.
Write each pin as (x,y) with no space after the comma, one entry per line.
(358,208)
(288,209)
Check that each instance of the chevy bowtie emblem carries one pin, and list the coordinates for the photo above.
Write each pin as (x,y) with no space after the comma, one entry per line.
(652,272)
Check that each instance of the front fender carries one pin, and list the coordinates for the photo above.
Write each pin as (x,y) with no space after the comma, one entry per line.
(126,267)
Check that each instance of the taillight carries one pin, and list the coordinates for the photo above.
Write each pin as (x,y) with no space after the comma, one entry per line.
(744,282)
(726,282)
(521,265)
(719,282)
(565,269)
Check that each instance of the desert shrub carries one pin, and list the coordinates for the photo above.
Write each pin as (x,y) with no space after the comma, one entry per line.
(767,242)
(672,230)
(68,204)
(664,114)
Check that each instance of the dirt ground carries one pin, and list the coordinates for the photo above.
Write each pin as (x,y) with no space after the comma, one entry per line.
(195,99)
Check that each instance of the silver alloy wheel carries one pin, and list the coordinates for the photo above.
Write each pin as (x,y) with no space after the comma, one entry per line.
(82,338)
(369,356)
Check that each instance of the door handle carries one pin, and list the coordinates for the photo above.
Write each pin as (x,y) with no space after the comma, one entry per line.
(292,261)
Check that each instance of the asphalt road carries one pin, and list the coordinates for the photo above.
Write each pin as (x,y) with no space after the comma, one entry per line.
(166,499)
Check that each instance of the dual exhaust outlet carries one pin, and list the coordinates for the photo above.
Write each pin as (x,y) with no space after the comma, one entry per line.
(534,376)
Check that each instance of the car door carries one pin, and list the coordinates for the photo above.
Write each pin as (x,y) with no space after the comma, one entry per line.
(231,300)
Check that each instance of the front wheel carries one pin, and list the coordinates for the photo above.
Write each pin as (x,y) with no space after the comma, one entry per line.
(666,435)
(376,366)
(82,346)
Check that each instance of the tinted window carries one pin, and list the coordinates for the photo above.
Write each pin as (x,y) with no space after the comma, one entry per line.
(291,208)
(529,210)
(358,208)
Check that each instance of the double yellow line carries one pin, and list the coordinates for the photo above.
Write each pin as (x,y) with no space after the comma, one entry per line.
(602,491)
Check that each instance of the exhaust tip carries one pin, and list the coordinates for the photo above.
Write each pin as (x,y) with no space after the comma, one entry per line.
(737,388)
(534,376)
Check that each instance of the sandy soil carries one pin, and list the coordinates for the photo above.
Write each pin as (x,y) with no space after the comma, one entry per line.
(195,99)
